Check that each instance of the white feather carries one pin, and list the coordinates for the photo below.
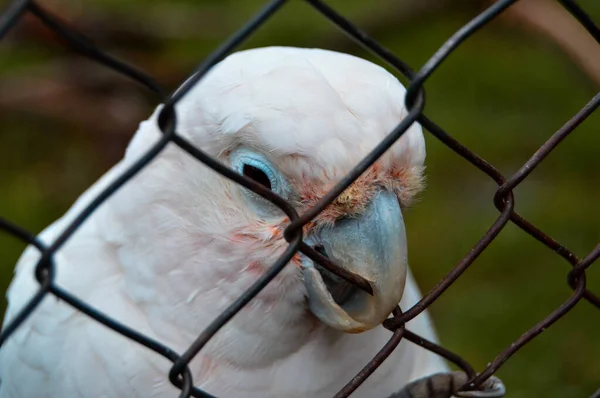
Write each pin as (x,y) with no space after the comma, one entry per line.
(162,257)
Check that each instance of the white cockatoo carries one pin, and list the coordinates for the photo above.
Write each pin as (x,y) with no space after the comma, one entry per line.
(178,243)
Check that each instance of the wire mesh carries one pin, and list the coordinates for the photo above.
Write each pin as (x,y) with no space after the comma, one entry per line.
(503,200)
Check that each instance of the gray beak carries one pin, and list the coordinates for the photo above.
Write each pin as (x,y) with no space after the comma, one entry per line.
(372,245)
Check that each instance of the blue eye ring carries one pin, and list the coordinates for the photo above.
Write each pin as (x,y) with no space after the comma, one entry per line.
(261,167)
(243,157)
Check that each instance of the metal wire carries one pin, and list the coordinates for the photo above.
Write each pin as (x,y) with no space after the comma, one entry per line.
(180,374)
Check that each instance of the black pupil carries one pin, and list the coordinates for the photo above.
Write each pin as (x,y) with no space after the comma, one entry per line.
(257,175)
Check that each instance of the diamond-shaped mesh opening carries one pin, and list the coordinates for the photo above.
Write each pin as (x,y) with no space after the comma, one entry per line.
(503,200)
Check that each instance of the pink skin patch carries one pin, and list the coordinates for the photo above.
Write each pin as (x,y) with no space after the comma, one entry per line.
(255,267)
(406,183)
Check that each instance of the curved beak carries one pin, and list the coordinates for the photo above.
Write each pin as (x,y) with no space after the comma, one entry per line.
(372,245)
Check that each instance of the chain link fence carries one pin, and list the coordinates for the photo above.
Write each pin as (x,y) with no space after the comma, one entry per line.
(473,383)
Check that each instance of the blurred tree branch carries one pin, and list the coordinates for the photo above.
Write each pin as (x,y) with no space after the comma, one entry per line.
(549,19)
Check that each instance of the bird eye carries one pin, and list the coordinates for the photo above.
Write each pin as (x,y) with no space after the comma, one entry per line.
(257,167)
(256,174)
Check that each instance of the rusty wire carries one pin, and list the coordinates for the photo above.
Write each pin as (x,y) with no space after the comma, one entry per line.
(180,374)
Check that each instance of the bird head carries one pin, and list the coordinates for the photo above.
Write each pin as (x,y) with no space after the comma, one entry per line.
(295,121)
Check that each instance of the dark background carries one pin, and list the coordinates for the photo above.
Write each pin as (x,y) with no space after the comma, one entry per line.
(65,120)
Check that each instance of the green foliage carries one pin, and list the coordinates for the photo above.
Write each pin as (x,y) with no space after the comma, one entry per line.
(502,94)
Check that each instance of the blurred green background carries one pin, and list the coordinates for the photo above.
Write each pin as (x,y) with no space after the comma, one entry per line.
(65,120)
